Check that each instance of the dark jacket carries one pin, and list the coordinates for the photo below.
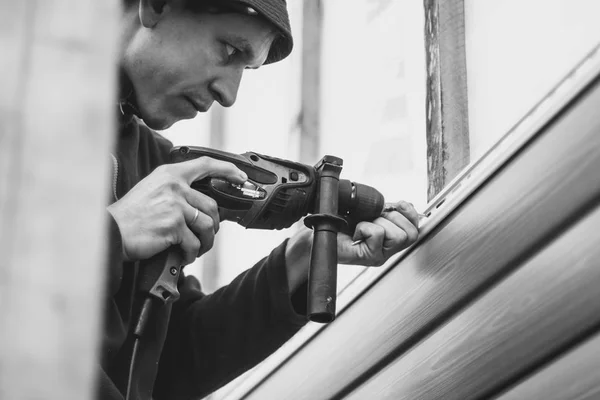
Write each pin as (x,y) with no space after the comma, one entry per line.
(202,341)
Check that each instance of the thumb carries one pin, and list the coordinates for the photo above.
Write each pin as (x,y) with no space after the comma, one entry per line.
(201,167)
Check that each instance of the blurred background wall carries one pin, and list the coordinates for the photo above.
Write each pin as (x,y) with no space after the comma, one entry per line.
(517,51)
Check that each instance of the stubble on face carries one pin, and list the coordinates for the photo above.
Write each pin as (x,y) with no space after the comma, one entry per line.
(181,66)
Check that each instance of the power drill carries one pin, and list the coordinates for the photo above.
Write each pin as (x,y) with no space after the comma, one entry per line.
(277,194)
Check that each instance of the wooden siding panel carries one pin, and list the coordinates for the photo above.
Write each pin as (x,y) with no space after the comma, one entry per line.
(542,190)
(574,376)
(547,304)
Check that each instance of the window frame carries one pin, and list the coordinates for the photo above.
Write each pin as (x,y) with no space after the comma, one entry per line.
(447,116)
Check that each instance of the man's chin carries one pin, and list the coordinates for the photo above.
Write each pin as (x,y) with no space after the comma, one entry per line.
(159,124)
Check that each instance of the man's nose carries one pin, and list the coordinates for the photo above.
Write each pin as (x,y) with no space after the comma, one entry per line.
(224,88)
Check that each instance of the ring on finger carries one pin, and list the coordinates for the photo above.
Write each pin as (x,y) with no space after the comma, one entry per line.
(195,217)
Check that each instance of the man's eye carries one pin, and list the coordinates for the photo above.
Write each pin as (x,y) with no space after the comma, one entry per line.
(230,50)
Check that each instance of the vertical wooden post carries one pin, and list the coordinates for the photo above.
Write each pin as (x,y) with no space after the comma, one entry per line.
(310,121)
(447,106)
(57,105)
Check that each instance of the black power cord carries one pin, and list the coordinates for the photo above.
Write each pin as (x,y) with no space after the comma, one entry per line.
(158,281)
(140,328)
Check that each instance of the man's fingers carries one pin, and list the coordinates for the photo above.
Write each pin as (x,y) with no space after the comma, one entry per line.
(408,210)
(205,231)
(376,241)
(371,247)
(201,167)
(368,231)
(203,227)
(407,232)
(204,204)
(190,246)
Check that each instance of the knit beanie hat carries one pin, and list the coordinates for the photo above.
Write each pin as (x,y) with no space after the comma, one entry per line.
(274,11)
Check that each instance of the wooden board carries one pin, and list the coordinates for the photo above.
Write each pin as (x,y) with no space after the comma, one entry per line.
(57,108)
(447,106)
(542,308)
(541,190)
(574,376)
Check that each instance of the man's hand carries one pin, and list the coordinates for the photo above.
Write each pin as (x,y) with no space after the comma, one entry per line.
(380,239)
(160,211)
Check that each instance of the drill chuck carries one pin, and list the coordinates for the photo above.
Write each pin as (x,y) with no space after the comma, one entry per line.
(358,202)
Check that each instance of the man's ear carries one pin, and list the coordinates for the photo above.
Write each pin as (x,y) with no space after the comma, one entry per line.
(151,11)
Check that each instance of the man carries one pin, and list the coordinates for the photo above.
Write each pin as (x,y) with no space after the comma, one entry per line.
(177,58)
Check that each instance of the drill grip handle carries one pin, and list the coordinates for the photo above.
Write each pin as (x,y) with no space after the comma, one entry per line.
(159,275)
(326,223)
(322,280)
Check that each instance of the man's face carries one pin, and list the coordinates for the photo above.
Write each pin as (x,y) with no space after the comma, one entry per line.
(184,62)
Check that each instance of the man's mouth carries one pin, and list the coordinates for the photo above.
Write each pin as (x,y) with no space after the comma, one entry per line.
(199,106)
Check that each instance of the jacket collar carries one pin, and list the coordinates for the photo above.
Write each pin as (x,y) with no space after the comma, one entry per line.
(126,105)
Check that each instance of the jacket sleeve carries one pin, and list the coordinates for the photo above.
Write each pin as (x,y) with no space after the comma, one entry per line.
(214,338)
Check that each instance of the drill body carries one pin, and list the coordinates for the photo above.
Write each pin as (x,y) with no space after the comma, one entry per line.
(277,194)
(280,192)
